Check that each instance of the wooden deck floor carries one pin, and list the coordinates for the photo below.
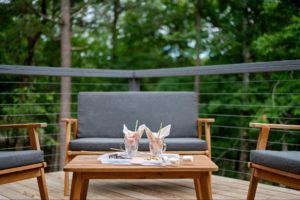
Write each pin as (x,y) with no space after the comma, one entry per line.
(223,188)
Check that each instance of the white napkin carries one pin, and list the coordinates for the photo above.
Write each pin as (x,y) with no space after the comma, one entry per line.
(104,159)
(136,135)
(161,134)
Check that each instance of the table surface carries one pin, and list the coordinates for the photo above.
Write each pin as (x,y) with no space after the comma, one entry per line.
(89,163)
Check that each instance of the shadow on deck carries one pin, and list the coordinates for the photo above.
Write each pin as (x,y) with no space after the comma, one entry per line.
(223,188)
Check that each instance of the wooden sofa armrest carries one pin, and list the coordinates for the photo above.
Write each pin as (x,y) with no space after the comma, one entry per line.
(207,122)
(265,130)
(69,127)
(275,126)
(33,135)
(70,120)
(71,123)
(29,125)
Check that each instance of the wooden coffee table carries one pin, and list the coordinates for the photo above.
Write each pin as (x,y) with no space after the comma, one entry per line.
(86,167)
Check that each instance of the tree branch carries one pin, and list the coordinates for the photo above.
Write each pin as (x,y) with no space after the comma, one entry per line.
(45,17)
(273,93)
(79,48)
(49,19)
(78,9)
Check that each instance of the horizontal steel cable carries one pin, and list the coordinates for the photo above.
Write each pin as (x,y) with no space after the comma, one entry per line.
(36,93)
(248,116)
(248,128)
(230,149)
(27,147)
(51,155)
(34,114)
(247,93)
(35,104)
(252,140)
(246,105)
(237,172)
(58,83)
(227,159)
(26,136)
(201,104)
(52,165)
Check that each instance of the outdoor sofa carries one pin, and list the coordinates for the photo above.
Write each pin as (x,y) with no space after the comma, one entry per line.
(101,116)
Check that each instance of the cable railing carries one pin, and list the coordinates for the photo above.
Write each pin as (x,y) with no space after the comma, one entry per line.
(27,147)
(225,97)
(251,140)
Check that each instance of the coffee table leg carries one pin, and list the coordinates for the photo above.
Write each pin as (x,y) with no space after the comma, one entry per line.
(76,186)
(205,182)
(84,190)
(198,188)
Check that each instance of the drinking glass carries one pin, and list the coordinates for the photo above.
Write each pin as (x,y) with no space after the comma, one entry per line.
(157,147)
(131,146)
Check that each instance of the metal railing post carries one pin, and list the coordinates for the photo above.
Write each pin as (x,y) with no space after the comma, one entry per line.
(134,83)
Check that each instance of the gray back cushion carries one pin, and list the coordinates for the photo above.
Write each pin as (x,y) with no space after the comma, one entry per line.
(102,114)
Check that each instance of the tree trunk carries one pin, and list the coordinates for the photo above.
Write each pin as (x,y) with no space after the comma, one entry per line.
(32,40)
(198,7)
(115,30)
(65,88)
(19,143)
(244,145)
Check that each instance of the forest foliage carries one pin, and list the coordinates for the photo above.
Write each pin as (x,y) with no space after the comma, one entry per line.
(142,34)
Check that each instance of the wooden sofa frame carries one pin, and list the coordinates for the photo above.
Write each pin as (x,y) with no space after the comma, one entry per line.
(27,171)
(72,127)
(267,173)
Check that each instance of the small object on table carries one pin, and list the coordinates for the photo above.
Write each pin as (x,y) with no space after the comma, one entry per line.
(116,156)
(165,159)
(187,159)
(174,161)
(115,149)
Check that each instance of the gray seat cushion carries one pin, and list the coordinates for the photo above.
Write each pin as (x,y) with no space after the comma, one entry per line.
(288,161)
(102,114)
(104,144)
(178,144)
(11,159)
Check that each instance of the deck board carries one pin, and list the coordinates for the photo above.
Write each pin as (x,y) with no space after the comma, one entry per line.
(223,188)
